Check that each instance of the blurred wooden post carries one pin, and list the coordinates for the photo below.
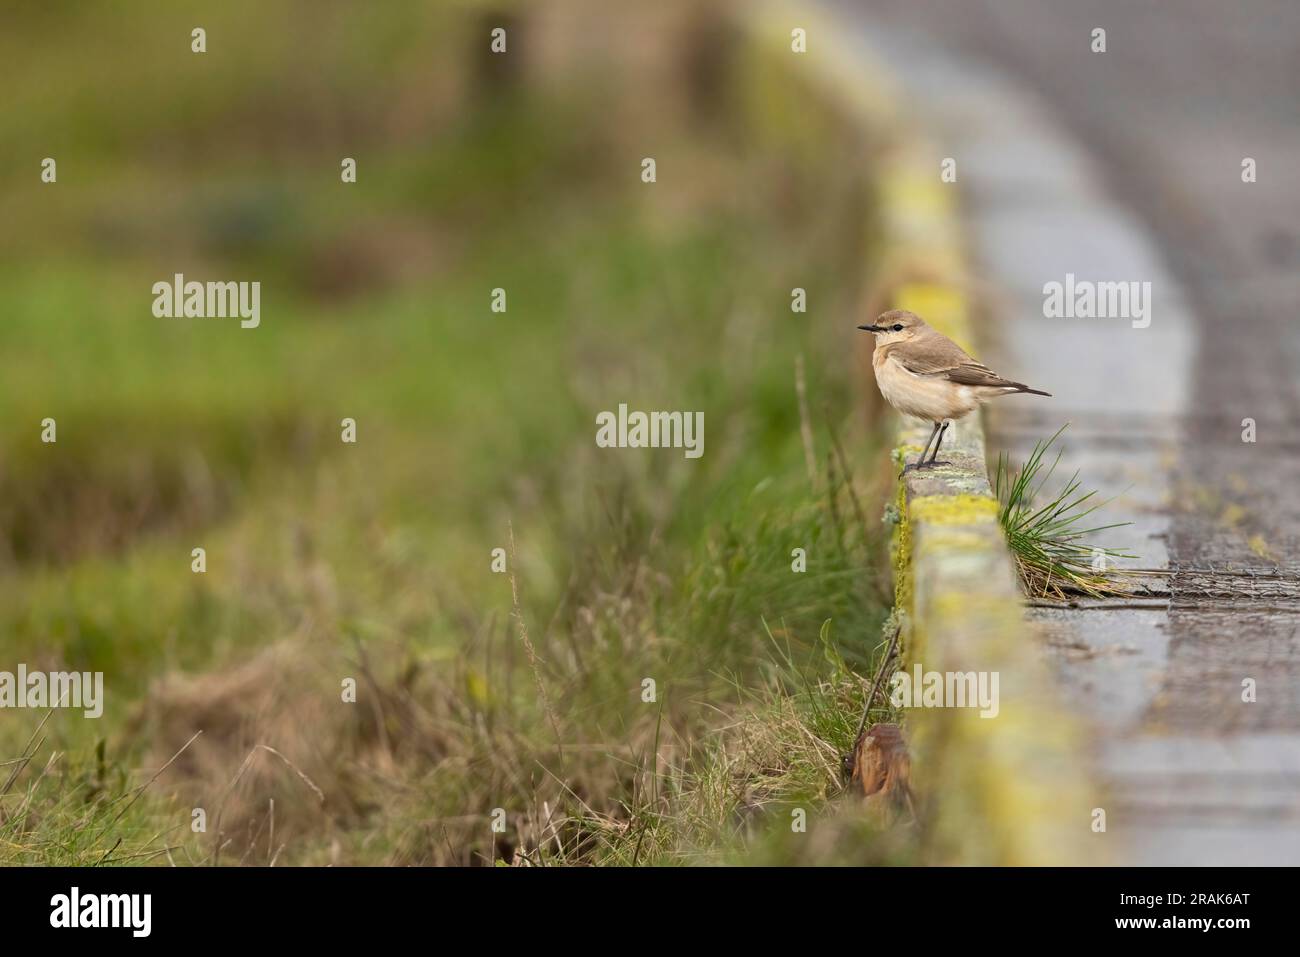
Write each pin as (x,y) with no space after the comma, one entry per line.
(497,74)
(707,64)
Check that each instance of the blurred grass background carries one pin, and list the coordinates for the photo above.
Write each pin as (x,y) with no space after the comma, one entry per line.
(371,561)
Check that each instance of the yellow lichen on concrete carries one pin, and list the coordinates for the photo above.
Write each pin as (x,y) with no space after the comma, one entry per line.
(942,547)
(915,197)
(954,509)
(943,307)
(992,611)
(902,557)
(933,302)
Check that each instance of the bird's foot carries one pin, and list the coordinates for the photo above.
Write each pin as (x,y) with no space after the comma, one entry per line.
(919,466)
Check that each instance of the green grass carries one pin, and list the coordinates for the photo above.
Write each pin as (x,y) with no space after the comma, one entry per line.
(1049,535)
(372,562)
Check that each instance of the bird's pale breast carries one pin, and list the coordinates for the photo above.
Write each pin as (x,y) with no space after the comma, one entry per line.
(926,397)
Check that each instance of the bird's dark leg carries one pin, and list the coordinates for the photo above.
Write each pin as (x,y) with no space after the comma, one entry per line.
(920,459)
(935,454)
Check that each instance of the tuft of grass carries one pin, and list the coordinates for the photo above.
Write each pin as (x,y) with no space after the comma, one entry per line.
(1050,541)
(76,810)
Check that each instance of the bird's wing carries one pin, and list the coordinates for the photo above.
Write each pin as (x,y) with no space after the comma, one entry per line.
(938,357)
(935,356)
(975,373)
(953,366)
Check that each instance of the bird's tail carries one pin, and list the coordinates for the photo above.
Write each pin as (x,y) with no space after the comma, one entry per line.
(1008,387)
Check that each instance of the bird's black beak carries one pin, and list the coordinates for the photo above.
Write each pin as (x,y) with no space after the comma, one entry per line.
(872,328)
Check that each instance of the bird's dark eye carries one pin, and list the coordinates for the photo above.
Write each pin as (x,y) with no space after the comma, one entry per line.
(898,327)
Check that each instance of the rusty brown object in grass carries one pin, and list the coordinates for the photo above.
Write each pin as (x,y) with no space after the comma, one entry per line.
(881,765)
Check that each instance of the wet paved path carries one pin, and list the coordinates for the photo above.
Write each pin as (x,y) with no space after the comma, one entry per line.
(1126,166)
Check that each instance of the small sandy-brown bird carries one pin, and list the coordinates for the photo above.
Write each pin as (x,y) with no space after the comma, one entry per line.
(921,372)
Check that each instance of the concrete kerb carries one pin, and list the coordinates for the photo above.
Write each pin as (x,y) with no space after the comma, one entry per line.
(1009,789)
